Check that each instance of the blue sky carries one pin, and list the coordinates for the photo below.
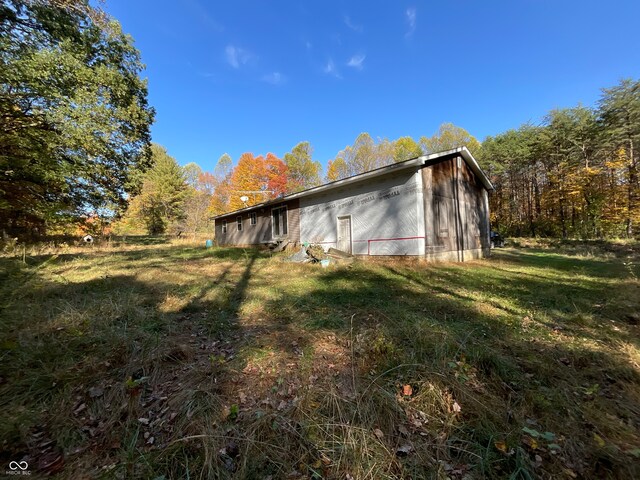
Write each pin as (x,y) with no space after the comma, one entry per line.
(260,76)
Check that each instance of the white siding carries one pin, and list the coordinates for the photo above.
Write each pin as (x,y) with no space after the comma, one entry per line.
(387,216)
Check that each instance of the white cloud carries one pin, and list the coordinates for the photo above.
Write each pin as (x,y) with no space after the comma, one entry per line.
(331,69)
(274,78)
(357,62)
(353,26)
(412,15)
(236,56)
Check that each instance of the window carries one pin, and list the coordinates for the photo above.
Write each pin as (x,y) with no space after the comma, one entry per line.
(253,218)
(279,221)
(239,220)
(224,226)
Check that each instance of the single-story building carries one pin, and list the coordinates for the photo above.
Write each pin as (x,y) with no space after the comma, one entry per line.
(434,206)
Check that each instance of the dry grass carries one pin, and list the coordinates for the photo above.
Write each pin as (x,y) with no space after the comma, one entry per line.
(158,359)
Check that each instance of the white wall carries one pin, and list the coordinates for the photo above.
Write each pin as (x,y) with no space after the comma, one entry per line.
(387,215)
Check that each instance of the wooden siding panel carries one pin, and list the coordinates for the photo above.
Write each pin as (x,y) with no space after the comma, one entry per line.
(261,233)
(456,211)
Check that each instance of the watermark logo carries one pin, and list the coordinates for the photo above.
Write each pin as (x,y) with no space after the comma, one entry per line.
(18,468)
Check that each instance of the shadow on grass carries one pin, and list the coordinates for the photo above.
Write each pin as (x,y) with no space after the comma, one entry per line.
(456,333)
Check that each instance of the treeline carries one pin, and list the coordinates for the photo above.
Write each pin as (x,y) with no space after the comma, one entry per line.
(261,178)
(575,175)
(182,200)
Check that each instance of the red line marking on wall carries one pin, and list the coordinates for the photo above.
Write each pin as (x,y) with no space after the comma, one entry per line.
(388,240)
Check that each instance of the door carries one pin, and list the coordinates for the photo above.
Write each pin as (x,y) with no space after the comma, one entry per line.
(344,234)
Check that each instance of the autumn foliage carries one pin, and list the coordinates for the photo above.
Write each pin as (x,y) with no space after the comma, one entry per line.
(259,178)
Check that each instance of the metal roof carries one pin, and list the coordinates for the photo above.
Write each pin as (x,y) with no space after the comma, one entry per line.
(414,162)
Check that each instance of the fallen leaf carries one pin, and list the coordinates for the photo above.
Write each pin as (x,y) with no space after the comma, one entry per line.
(501,445)
(407,390)
(378,433)
(144,421)
(456,407)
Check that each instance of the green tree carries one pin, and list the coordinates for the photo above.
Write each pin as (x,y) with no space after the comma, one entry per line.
(74,119)
(302,171)
(161,203)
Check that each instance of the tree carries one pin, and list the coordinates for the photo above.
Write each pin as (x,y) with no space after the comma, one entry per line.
(220,183)
(197,202)
(224,167)
(449,137)
(277,175)
(405,148)
(257,178)
(364,155)
(192,173)
(160,204)
(74,119)
(336,169)
(303,172)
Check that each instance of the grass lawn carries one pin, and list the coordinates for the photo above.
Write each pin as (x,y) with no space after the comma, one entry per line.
(160,360)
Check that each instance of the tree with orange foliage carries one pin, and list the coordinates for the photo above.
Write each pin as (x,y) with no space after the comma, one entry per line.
(277,175)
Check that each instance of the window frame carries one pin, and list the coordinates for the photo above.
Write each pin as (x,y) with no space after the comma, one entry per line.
(224,227)
(253,219)
(239,223)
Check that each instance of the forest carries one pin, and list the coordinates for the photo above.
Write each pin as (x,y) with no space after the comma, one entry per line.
(76,153)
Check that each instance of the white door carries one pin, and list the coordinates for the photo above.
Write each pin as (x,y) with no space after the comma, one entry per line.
(344,234)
